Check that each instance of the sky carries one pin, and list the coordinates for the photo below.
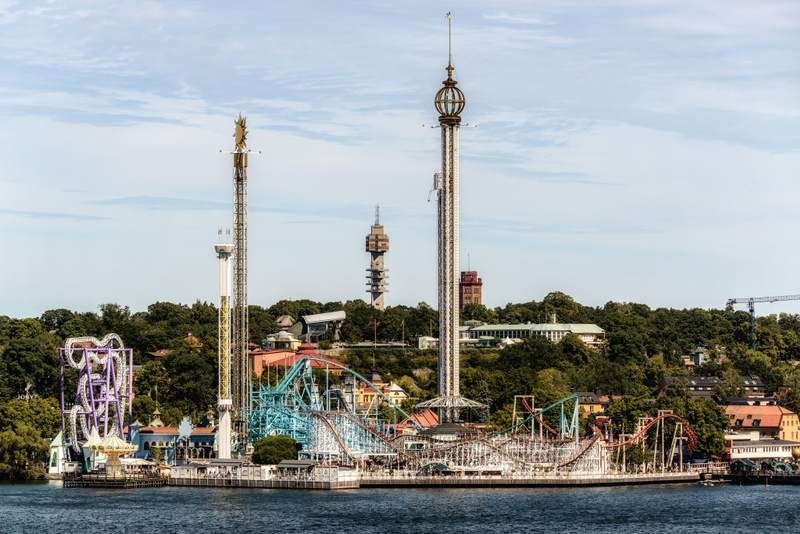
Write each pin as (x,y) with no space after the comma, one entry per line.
(626,150)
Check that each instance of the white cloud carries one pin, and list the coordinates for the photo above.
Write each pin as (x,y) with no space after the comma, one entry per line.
(565,185)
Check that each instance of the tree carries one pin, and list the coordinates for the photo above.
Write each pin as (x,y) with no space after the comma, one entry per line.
(41,414)
(55,319)
(23,453)
(732,385)
(29,360)
(477,312)
(272,450)
(534,352)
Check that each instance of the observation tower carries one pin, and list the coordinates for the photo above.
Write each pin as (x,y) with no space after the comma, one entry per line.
(377,245)
(449,102)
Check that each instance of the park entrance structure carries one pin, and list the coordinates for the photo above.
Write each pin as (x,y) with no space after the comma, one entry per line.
(104,389)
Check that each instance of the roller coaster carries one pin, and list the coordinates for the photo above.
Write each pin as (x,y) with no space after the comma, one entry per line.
(322,413)
(104,392)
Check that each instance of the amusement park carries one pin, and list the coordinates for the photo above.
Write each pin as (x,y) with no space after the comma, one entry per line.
(284,397)
(317,401)
(314,403)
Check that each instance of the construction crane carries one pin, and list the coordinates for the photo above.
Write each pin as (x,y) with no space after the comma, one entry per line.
(751,307)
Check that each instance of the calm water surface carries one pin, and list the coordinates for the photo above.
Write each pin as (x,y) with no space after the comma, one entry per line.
(45,508)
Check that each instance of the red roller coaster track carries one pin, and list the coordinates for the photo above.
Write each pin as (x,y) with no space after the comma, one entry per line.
(691,439)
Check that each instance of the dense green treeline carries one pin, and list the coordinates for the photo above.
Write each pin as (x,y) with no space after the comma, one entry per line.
(643,345)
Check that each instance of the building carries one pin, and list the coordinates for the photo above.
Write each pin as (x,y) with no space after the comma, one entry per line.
(367,398)
(762,449)
(591,334)
(774,422)
(273,360)
(377,244)
(321,325)
(699,356)
(173,444)
(699,387)
(753,387)
(282,340)
(589,403)
(706,386)
(470,289)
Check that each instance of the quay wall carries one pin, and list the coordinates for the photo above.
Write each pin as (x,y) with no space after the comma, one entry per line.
(371,481)
(529,482)
(264,483)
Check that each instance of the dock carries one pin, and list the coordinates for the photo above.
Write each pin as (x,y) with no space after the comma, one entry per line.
(380,480)
(264,483)
(71,480)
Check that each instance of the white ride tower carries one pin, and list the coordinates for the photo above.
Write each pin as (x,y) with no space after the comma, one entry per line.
(224,400)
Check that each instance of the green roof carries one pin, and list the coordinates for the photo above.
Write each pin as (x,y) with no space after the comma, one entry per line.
(575,328)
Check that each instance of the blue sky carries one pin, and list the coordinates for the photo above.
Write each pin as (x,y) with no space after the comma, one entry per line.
(621,150)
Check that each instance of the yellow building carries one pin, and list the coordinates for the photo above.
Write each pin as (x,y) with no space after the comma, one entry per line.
(368,398)
(589,403)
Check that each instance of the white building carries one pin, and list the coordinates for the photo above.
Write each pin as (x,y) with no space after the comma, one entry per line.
(751,446)
(591,334)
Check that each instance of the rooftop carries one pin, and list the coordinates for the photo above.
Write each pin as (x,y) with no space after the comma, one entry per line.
(575,328)
(756,416)
(763,443)
(324,317)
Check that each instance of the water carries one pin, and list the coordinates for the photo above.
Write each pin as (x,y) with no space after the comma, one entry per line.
(42,508)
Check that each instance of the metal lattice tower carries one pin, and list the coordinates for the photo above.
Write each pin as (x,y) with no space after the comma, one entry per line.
(240,331)
(377,246)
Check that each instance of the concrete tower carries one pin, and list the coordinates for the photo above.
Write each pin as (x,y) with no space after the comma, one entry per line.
(224,401)
(377,246)
(449,102)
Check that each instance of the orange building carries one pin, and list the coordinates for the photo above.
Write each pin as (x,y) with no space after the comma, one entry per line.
(261,360)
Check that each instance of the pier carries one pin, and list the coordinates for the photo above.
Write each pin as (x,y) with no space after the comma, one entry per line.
(71,480)
(351,480)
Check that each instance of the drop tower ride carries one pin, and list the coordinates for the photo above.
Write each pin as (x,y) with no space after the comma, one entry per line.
(449,102)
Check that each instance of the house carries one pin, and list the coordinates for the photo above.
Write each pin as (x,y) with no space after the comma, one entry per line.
(368,398)
(589,403)
(774,422)
(753,386)
(699,387)
(699,356)
(282,340)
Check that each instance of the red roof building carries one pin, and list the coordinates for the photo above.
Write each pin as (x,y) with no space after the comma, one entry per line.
(770,421)
(263,360)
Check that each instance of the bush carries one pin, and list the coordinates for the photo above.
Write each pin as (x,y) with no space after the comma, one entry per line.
(272,449)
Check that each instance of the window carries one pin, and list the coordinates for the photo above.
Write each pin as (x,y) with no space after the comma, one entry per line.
(756,423)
